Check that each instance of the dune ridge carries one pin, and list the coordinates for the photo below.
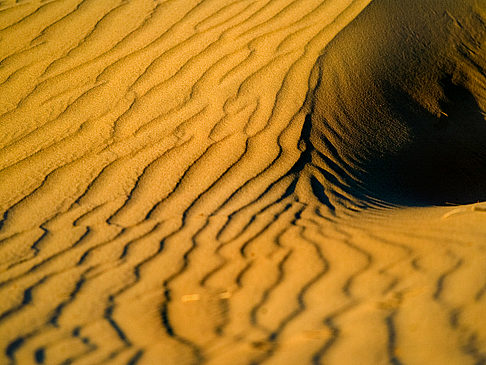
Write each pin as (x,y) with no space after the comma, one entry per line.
(160,202)
(400,113)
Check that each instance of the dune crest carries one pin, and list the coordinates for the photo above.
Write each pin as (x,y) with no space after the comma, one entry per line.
(400,112)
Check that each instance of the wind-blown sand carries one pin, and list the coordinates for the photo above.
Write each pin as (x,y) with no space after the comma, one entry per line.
(242,182)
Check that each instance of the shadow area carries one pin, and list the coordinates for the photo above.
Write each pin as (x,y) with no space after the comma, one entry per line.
(443,163)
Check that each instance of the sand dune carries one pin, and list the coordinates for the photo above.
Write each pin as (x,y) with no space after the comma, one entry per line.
(242,182)
(402,109)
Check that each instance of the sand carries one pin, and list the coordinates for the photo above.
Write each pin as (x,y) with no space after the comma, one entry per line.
(242,182)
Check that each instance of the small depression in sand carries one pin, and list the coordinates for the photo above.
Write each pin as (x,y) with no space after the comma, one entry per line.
(396,109)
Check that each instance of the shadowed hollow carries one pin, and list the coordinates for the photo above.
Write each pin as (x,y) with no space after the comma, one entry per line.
(398,103)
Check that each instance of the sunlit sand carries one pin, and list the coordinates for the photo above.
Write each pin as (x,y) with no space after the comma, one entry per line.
(243,182)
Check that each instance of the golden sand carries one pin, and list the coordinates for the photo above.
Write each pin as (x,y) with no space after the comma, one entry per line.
(168,194)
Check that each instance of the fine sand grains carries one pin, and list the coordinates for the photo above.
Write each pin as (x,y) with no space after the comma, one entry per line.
(155,210)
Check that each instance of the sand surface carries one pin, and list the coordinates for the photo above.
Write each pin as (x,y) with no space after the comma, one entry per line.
(243,182)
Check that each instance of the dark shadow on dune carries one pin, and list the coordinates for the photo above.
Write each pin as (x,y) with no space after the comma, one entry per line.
(395,111)
(448,163)
(445,163)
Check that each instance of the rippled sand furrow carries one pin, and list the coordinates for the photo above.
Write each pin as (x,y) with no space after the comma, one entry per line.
(174,189)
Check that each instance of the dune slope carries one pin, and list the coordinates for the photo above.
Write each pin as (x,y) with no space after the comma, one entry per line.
(174,187)
(399,102)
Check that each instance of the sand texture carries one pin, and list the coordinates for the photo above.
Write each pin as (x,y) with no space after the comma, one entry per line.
(243,182)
